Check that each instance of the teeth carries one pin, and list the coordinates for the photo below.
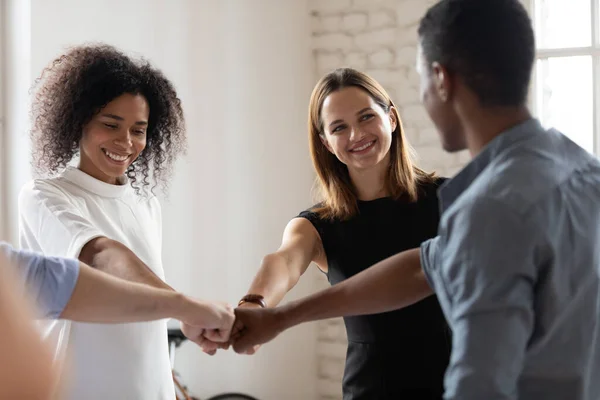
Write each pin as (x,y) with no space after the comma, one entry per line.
(361,148)
(115,157)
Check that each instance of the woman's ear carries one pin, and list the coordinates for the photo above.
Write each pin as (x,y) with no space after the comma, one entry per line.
(393,114)
(325,143)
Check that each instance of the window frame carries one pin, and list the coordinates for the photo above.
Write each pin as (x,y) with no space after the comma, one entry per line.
(593,51)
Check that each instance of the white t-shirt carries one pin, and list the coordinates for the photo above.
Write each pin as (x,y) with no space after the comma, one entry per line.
(58,217)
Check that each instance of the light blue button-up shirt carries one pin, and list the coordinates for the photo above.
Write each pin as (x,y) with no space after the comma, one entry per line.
(516,268)
(50,280)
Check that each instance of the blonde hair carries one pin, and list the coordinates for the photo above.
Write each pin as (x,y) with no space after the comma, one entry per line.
(337,195)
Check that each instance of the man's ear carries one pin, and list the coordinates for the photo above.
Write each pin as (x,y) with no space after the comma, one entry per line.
(441,81)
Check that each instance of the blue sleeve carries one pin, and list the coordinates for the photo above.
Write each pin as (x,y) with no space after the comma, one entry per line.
(487,272)
(50,281)
(428,252)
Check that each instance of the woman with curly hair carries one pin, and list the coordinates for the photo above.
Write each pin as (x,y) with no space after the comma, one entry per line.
(121,122)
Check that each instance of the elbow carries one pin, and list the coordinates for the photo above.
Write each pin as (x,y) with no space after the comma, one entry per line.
(293,280)
(94,249)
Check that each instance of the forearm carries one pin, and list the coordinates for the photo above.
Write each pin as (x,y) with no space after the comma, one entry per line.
(100,297)
(273,280)
(393,283)
(116,259)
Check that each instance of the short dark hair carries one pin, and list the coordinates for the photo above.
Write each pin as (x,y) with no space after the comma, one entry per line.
(489,43)
(78,84)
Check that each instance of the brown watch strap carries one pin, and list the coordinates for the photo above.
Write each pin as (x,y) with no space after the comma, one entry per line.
(253,298)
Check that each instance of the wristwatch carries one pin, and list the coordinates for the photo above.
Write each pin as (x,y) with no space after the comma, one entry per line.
(253,298)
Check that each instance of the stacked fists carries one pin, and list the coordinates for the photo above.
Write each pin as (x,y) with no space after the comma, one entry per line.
(215,325)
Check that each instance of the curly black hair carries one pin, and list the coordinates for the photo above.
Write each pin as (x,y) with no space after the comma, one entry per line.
(490,44)
(78,84)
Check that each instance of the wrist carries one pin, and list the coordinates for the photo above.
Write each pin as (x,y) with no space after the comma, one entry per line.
(254,299)
(288,316)
(176,305)
(249,305)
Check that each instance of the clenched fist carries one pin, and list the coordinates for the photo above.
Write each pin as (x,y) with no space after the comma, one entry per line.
(207,324)
(257,326)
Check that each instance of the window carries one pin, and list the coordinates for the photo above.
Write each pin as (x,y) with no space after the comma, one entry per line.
(567,72)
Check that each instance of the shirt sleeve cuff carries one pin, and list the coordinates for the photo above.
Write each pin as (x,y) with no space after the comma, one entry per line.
(427,248)
(65,279)
(79,241)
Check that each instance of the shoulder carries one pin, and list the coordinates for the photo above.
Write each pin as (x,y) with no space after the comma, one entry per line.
(428,193)
(483,218)
(430,188)
(312,213)
(309,214)
(439,181)
(427,188)
(523,176)
(43,190)
(146,201)
(477,205)
(42,196)
(315,219)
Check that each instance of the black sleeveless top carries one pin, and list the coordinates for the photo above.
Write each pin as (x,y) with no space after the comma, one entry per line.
(401,354)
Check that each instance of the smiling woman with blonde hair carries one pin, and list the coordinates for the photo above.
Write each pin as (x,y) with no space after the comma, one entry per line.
(375,203)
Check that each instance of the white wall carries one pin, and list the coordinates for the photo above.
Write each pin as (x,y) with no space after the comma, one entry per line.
(244,73)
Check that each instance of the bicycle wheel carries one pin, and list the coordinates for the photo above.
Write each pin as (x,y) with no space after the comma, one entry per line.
(232,396)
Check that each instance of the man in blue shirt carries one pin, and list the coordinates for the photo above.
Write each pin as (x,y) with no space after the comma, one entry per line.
(516,262)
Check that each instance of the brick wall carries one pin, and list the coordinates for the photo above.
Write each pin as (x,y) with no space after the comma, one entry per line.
(378,37)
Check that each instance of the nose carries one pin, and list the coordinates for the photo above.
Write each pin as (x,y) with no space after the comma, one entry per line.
(356,134)
(124,139)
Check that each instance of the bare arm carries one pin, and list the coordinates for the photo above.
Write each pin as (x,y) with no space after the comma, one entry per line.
(26,367)
(213,320)
(100,297)
(279,272)
(391,284)
(116,259)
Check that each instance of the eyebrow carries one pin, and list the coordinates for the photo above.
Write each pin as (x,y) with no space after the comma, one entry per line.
(116,117)
(337,121)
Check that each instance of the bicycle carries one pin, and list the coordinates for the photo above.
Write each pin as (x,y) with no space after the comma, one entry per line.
(176,338)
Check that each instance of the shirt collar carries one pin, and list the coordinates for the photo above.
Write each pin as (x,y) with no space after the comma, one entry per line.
(454,187)
(91,184)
